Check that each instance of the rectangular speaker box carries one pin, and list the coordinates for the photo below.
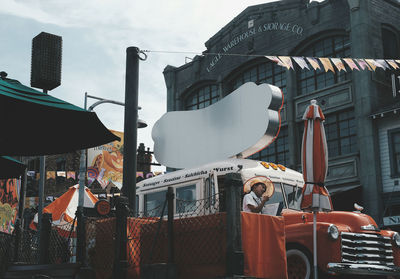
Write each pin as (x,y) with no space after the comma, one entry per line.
(46,61)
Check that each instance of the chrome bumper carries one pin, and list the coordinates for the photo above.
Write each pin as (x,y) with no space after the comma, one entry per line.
(363,269)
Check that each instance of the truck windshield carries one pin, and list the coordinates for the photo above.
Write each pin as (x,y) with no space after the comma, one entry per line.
(277,197)
(293,196)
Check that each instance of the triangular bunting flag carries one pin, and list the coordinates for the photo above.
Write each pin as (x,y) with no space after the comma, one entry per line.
(339,64)
(314,63)
(276,60)
(363,64)
(397,61)
(351,63)
(287,61)
(381,64)
(371,63)
(393,64)
(327,64)
(301,62)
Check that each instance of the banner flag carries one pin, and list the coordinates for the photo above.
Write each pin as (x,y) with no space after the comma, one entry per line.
(287,61)
(276,60)
(314,63)
(339,64)
(301,62)
(351,64)
(363,64)
(392,63)
(327,64)
(71,174)
(105,162)
(381,64)
(371,63)
(51,174)
(9,196)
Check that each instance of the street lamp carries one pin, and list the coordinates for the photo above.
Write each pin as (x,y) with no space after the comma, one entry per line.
(83,163)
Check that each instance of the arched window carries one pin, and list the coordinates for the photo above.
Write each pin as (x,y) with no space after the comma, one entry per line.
(265,72)
(390,42)
(309,81)
(202,97)
(277,152)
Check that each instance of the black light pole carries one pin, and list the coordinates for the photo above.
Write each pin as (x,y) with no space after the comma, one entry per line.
(130,125)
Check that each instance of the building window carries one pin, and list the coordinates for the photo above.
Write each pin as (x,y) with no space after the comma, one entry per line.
(340,130)
(61,162)
(277,152)
(202,98)
(311,80)
(394,151)
(267,72)
(390,44)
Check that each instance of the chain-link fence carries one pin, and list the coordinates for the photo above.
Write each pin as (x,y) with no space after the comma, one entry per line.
(28,248)
(62,245)
(6,250)
(199,239)
(100,245)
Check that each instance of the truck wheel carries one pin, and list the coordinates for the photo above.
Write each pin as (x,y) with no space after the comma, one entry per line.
(298,264)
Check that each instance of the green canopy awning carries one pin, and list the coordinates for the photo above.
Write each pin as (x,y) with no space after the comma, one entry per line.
(11,168)
(35,123)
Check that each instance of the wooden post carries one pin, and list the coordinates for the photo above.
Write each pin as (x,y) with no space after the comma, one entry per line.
(171,274)
(45,238)
(121,239)
(234,258)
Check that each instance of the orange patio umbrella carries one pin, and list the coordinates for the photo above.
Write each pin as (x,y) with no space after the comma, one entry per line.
(315,167)
(63,208)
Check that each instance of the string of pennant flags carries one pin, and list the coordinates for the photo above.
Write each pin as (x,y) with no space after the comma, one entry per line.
(329,64)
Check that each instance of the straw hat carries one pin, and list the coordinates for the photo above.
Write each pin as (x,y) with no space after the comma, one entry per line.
(260,179)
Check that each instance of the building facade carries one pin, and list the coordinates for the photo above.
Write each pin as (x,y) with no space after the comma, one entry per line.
(358,160)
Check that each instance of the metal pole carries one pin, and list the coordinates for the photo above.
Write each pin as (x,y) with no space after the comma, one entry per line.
(130,126)
(79,211)
(315,244)
(82,171)
(41,194)
(42,170)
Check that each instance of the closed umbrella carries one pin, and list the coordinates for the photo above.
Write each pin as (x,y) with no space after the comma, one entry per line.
(315,166)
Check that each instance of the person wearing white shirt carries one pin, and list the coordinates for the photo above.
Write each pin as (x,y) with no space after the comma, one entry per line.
(255,201)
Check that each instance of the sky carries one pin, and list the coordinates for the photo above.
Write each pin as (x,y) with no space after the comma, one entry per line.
(96,34)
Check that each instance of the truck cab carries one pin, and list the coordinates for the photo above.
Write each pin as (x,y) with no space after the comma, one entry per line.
(348,242)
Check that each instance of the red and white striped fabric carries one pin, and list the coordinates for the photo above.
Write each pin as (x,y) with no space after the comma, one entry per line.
(315,161)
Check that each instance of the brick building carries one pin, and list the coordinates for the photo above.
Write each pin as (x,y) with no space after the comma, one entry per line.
(360,169)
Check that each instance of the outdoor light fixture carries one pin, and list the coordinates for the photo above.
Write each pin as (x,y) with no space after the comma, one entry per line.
(333,232)
(396,238)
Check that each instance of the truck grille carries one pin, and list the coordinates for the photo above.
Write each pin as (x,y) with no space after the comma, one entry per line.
(363,248)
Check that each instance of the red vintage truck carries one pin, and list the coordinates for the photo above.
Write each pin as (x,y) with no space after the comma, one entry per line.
(348,242)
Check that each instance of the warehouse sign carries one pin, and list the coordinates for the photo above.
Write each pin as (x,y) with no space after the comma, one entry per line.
(266,27)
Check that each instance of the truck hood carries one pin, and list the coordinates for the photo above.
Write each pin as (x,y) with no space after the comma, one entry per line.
(347,221)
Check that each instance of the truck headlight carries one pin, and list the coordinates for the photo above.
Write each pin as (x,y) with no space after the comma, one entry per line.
(396,238)
(333,232)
